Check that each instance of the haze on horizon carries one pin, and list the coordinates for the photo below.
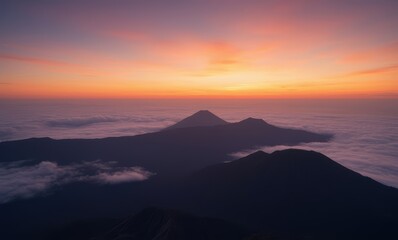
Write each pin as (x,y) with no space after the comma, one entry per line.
(203,48)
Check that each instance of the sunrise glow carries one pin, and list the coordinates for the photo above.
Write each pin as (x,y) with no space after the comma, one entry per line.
(199,49)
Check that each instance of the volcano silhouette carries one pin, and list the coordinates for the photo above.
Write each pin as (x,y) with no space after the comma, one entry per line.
(202,118)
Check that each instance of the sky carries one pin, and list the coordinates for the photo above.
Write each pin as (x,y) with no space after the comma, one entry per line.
(199,49)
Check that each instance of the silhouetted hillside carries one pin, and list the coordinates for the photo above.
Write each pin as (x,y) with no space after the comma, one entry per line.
(289,194)
(151,224)
(294,193)
(202,118)
(161,224)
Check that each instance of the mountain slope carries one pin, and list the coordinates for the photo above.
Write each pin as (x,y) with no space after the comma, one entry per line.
(161,224)
(296,192)
(202,118)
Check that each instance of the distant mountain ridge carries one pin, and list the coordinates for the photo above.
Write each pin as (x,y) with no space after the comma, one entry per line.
(202,118)
(175,146)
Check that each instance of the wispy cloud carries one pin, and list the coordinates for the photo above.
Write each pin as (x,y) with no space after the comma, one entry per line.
(50,64)
(387,52)
(129,175)
(6,132)
(33,60)
(27,181)
(81,121)
(57,125)
(21,180)
(373,71)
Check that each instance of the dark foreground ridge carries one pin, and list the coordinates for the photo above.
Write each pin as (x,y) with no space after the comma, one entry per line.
(202,118)
(289,194)
(294,193)
(165,224)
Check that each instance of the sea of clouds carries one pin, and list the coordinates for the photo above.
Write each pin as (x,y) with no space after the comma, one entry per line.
(365,134)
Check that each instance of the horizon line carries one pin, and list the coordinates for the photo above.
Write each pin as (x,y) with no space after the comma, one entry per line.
(204,98)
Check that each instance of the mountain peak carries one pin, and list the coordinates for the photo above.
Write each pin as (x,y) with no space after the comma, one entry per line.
(285,164)
(166,224)
(253,120)
(297,157)
(202,118)
(203,112)
(257,154)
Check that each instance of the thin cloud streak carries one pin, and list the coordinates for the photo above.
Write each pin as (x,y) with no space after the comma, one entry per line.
(81,122)
(374,71)
(33,60)
(22,180)
(51,65)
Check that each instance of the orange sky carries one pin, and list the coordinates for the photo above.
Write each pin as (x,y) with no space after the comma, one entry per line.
(206,49)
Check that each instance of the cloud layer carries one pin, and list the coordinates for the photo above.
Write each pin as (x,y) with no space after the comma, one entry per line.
(23,180)
(366,131)
(81,121)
